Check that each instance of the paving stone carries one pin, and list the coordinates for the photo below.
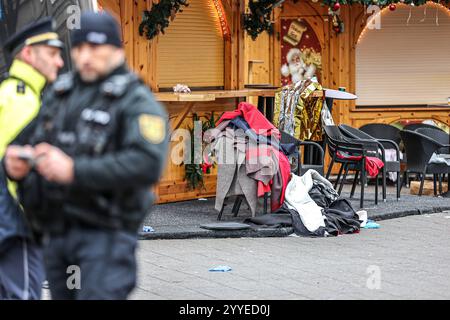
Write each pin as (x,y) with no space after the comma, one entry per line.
(411,254)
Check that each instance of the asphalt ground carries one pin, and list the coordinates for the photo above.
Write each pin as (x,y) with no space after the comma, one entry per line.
(182,220)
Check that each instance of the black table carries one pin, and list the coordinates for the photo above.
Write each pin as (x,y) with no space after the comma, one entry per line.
(265,103)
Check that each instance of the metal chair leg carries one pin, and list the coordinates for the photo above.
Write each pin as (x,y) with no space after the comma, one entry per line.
(399,185)
(434,185)
(354,184)
(343,178)
(363,182)
(376,189)
(339,176)
(266,199)
(384,183)
(221,212)
(422,181)
(237,205)
(329,168)
(407,179)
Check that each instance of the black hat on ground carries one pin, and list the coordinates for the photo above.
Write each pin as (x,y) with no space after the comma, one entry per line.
(40,32)
(97,28)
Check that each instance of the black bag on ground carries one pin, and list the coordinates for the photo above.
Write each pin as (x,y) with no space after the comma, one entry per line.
(341,218)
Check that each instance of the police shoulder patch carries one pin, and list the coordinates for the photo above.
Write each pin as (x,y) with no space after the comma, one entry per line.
(152,128)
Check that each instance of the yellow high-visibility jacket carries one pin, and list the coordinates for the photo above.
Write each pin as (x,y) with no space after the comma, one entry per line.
(20,101)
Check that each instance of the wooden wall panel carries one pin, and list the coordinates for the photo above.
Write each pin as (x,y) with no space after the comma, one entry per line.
(141,46)
(113,6)
(275,50)
(257,55)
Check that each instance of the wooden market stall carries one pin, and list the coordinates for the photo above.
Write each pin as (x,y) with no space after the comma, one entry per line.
(207,48)
(381,66)
(202,48)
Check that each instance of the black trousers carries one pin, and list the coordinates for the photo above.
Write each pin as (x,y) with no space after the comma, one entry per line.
(91,264)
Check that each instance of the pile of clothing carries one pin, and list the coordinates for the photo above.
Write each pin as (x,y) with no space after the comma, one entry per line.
(250,162)
(313,208)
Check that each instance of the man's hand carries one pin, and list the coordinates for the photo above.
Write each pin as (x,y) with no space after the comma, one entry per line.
(16,165)
(53,164)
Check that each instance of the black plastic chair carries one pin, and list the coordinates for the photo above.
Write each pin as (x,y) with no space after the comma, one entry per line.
(382,131)
(301,167)
(442,137)
(415,126)
(388,132)
(338,144)
(419,149)
(437,135)
(389,166)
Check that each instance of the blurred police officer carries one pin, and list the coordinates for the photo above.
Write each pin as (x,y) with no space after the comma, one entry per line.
(36,51)
(99,144)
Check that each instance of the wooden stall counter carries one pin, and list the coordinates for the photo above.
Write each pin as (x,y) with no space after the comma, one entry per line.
(265,100)
(212,95)
(186,102)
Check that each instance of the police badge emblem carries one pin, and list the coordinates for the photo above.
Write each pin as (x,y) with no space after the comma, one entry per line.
(152,128)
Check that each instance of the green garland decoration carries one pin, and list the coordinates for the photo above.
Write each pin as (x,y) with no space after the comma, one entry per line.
(194,173)
(258,19)
(159,17)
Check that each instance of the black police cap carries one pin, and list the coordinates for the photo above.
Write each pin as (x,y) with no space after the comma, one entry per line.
(40,32)
(97,28)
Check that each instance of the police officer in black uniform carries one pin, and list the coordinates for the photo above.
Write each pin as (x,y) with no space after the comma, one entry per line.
(99,144)
(35,50)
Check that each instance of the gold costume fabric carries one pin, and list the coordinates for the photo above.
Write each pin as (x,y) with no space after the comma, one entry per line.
(297,112)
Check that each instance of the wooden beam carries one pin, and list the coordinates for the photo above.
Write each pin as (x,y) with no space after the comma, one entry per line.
(275,50)
(182,115)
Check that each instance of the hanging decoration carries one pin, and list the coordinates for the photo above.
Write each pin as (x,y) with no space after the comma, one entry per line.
(409,17)
(432,4)
(335,13)
(336,6)
(158,18)
(258,19)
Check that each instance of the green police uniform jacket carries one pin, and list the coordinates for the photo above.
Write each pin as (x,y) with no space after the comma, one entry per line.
(117,135)
(20,100)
